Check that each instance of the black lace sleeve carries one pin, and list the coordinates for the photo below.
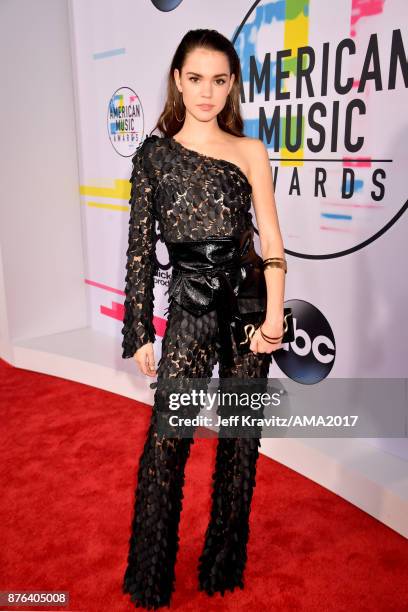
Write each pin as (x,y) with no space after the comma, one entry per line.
(141,263)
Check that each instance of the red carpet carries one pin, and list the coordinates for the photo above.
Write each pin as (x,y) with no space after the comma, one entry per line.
(69,460)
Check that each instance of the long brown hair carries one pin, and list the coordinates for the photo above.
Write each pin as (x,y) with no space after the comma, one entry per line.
(229,119)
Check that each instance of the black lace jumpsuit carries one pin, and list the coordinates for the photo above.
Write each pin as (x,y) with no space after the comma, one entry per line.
(193,197)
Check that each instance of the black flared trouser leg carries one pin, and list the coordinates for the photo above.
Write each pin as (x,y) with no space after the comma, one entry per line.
(153,545)
(188,351)
(223,559)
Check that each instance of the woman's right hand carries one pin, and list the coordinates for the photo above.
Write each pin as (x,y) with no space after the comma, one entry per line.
(144,358)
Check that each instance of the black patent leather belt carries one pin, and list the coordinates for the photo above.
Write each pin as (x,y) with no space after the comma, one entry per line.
(207,275)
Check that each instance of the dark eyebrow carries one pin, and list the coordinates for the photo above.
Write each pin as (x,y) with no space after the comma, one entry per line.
(215,75)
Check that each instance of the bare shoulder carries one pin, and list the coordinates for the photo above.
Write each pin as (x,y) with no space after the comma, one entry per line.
(252,151)
(250,147)
(254,146)
(246,148)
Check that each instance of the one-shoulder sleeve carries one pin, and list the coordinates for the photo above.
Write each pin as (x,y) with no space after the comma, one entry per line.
(141,265)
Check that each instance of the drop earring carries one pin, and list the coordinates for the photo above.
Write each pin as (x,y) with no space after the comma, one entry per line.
(233,111)
(174,106)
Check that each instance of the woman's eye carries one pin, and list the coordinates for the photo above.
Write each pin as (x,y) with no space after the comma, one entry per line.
(219,81)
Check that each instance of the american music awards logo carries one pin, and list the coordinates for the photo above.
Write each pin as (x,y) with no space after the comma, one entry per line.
(125,121)
(329,101)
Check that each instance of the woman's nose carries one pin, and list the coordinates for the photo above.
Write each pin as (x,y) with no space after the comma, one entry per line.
(206,91)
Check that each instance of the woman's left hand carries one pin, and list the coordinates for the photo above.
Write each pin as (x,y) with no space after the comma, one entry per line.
(259,345)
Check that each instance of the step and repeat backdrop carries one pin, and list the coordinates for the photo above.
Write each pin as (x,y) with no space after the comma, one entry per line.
(325,88)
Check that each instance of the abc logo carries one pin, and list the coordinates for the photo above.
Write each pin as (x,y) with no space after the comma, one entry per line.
(166,5)
(310,357)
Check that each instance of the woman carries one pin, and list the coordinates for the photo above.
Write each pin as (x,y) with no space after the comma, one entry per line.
(198,186)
